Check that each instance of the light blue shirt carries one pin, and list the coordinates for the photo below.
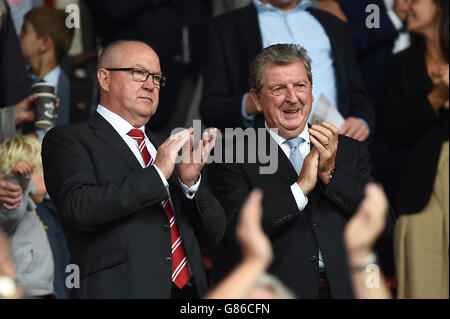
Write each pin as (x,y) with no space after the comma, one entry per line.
(300,27)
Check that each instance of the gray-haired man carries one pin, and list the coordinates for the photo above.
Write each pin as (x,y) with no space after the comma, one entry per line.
(316,189)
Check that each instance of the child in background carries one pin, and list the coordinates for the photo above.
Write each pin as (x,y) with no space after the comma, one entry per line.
(45,41)
(20,156)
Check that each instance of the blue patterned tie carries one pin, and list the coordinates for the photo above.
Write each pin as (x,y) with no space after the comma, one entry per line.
(296,157)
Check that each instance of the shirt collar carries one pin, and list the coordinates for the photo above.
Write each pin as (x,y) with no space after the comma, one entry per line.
(266,7)
(118,123)
(280,140)
(53,76)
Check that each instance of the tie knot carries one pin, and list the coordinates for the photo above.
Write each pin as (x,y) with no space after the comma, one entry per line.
(294,142)
(136,134)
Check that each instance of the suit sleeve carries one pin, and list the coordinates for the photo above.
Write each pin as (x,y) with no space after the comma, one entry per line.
(407,114)
(360,104)
(368,40)
(72,184)
(346,188)
(220,106)
(206,216)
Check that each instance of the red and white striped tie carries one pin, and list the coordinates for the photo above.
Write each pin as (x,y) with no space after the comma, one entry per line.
(180,273)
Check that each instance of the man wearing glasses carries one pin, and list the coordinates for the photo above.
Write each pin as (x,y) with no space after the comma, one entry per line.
(133,219)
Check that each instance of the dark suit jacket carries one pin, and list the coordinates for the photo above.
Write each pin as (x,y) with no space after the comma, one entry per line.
(15,85)
(413,126)
(234,40)
(116,229)
(296,235)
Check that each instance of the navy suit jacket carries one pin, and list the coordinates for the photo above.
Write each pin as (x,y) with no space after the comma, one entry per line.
(15,85)
(296,235)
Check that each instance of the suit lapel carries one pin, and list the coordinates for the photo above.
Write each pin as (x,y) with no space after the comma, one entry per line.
(285,169)
(109,135)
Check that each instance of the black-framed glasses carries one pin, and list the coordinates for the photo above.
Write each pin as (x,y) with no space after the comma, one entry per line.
(142,75)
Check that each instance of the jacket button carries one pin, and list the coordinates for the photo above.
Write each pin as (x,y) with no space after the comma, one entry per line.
(315,223)
(168,260)
(166,227)
(312,258)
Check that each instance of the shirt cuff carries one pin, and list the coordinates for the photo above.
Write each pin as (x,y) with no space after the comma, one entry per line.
(300,198)
(190,192)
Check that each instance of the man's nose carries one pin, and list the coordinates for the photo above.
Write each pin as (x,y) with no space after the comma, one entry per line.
(149,83)
(291,95)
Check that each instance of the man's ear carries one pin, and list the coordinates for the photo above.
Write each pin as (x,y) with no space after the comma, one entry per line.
(103,77)
(255,98)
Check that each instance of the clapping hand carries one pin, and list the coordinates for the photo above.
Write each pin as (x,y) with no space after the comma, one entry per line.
(325,139)
(193,161)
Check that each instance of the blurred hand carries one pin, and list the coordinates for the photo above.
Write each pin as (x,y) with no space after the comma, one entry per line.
(366,225)
(10,194)
(37,179)
(355,128)
(192,162)
(23,168)
(325,139)
(23,111)
(439,96)
(253,241)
